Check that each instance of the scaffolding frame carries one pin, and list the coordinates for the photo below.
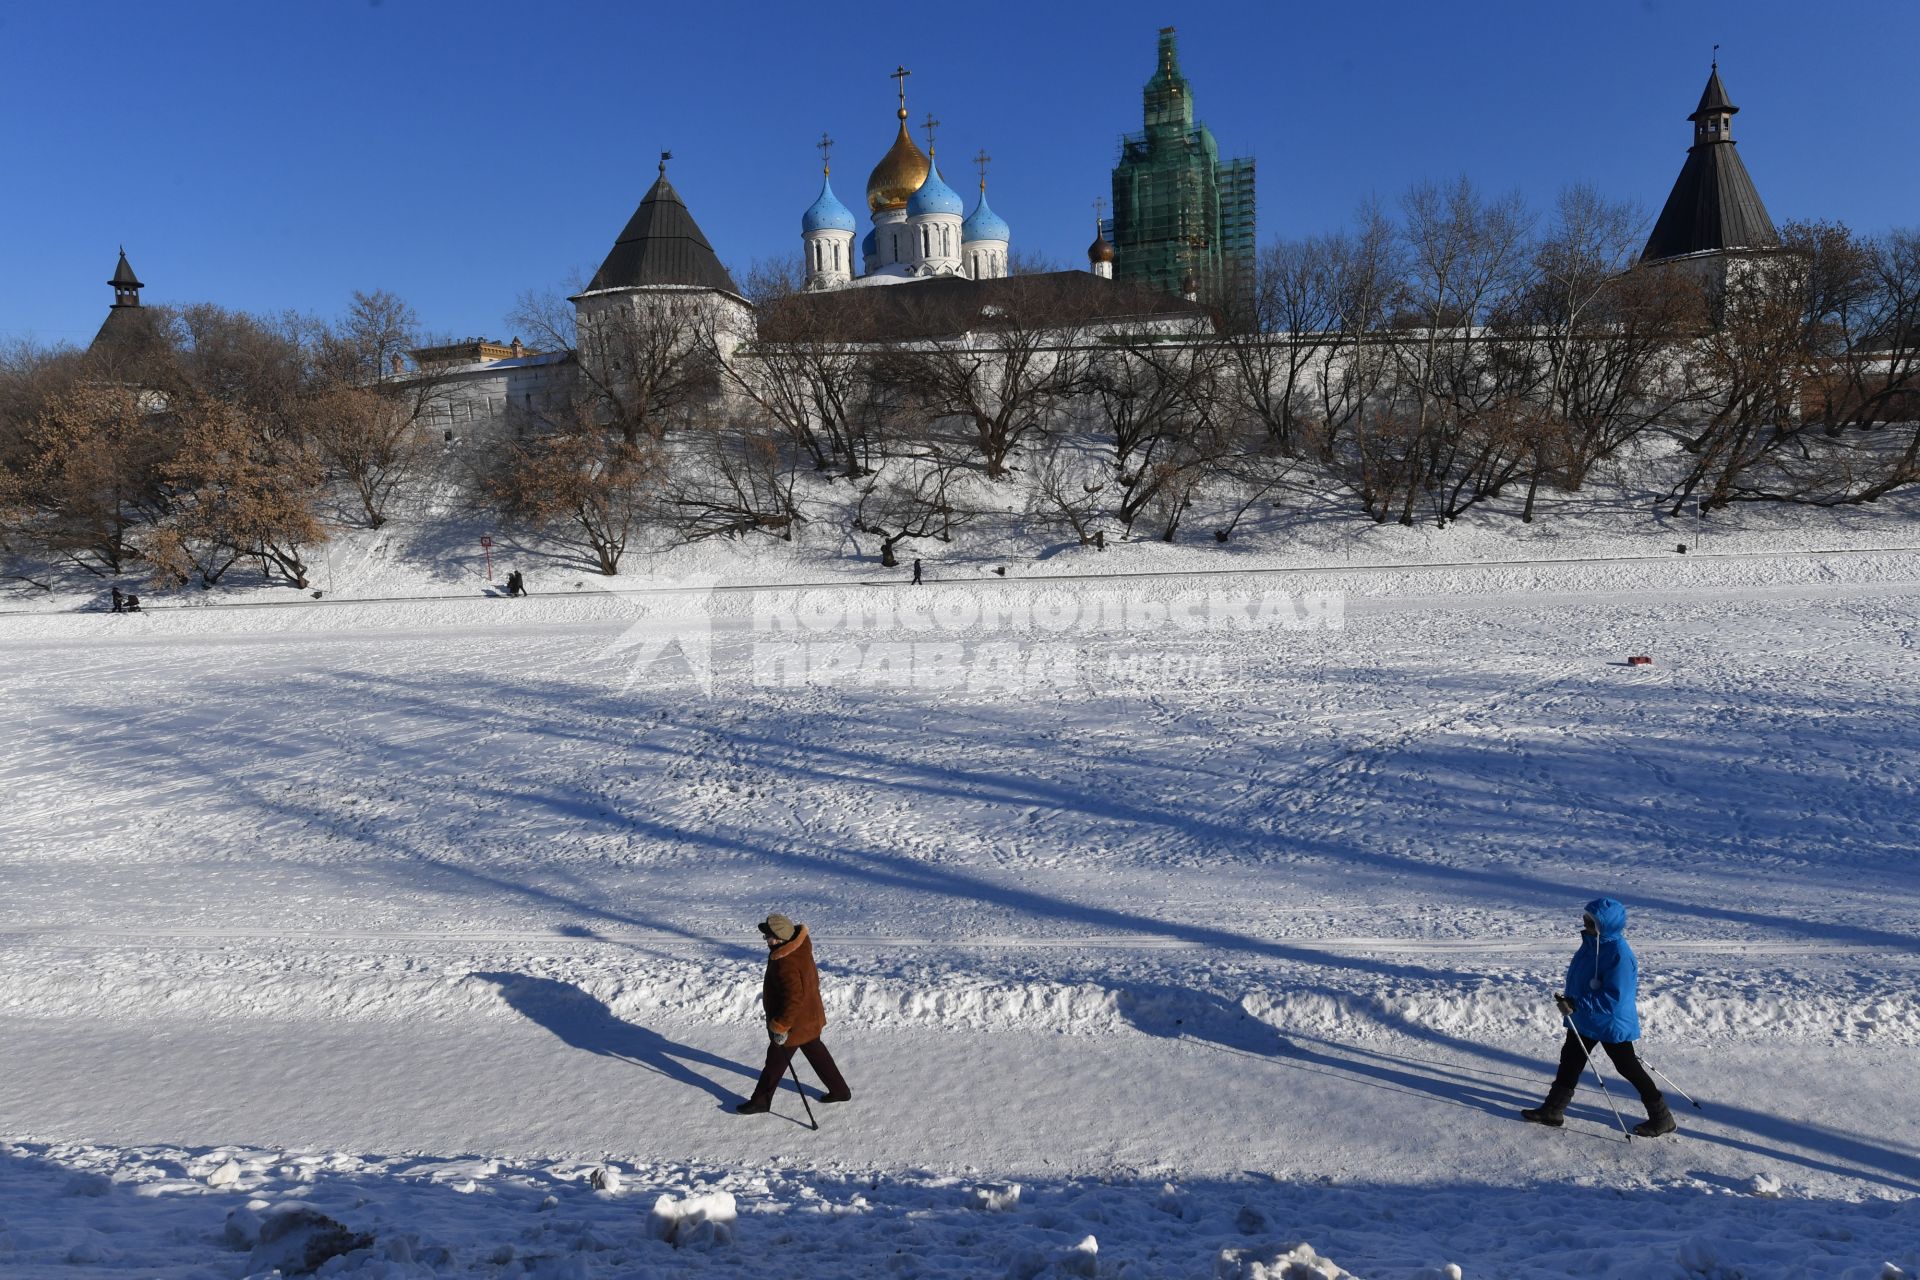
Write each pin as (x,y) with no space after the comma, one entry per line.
(1178,209)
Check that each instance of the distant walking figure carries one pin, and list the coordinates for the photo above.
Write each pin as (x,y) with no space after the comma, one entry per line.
(795,1016)
(516,585)
(1603,983)
(119,601)
(916,573)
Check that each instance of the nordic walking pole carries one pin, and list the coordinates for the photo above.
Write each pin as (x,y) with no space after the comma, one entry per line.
(1597,1078)
(811,1122)
(1671,1085)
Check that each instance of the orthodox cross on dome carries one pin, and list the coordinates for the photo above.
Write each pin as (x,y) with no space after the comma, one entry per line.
(825,148)
(929,124)
(983,160)
(899,77)
(664,157)
(1099,208)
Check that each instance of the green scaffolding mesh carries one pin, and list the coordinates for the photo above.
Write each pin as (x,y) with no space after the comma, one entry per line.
(1178,208)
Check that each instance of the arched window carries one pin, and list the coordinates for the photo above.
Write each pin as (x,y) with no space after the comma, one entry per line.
(836,255)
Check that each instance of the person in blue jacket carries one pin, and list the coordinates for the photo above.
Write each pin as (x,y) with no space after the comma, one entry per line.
(1598,1006)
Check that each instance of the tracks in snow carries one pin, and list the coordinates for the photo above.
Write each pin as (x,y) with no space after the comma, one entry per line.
(82,939)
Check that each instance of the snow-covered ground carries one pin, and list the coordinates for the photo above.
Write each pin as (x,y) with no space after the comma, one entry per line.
(1213,937)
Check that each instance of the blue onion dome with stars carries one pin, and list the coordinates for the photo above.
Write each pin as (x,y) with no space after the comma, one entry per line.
(827,213)
(983,223)
(935,196)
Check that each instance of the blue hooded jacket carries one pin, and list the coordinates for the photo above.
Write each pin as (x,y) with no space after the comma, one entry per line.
(1604,979)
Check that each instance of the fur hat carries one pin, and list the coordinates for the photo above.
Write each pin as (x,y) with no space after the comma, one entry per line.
(778,927)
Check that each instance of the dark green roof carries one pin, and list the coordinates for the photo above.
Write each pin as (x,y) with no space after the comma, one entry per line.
(1714,97)
(662,245)
(1714,204)
(123,277)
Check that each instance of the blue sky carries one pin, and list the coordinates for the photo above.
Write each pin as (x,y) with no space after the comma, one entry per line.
(275,155)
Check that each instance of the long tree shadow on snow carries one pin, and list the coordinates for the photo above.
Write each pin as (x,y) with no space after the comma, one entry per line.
(1213,1022)
(1499,1081)
(584,1022)
(842,754)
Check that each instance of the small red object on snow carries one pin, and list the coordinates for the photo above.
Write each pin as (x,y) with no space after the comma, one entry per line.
(1640,660)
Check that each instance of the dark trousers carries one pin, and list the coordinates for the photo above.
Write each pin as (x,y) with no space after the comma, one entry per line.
(779,1055)
(1573,1060)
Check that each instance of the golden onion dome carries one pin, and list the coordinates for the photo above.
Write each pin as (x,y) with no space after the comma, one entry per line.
(1100,250)
(899,173)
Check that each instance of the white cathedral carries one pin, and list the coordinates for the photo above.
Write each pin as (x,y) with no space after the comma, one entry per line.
(921,228)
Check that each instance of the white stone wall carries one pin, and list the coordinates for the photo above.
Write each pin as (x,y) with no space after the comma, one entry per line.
(829,258)
(937,242)
(475,403)
(893,239)
(986,259)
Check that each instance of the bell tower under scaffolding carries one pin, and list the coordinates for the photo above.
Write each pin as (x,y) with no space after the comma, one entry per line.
(1181,214)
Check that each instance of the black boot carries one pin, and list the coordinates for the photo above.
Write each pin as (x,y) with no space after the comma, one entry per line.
(1659,1120)
(1552,1112)
(752,1107)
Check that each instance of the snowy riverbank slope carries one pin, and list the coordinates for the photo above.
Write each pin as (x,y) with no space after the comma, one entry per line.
(1215,936)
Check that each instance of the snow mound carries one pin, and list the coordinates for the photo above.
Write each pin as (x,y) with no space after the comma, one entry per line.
(1038,1263)
(298,1239)
(697,1222)
(1296,1262)
(997,1199)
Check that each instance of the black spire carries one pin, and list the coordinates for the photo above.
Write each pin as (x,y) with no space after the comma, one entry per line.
(131,333)
(662,245)
(1714,98)
(126,285)
(1714,204)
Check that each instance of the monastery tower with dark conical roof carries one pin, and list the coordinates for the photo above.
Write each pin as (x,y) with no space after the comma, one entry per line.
(1714,212)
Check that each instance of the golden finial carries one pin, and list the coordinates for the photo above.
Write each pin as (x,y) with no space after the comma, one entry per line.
(899,76)
(825,147)
(903,169)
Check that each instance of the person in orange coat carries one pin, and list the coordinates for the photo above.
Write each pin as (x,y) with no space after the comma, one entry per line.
(795,1015)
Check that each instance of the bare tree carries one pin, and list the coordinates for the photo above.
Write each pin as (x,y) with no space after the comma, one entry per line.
(1010,378)
(1160,410)
(1363,271)
(1769,358)
(1249,468)
(95,476)
(1031,262)
(370,438)
(361,348)
(732,481)
(810,373)
(236,490)
(565,472)
(366,422)
(1863,314)
(921,503)
(1455,377)
(1273,349)
(1069,490)
(1610,333)
(651,364)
